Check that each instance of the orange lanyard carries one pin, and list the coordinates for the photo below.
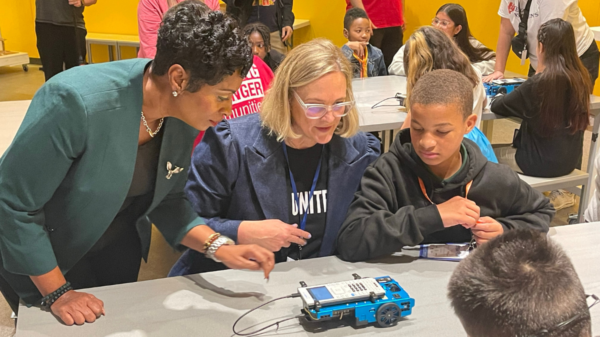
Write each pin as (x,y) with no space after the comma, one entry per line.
(364,64)
(467,188)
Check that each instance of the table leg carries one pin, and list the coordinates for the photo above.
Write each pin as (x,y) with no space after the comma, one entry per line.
(582,203)
(589,191)
(488,129)
(118,52)
(88,47)
(110,53)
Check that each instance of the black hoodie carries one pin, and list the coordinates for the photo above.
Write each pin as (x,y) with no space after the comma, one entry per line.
(389,210)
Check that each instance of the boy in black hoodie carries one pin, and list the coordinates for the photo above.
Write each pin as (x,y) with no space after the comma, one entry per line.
(433,186)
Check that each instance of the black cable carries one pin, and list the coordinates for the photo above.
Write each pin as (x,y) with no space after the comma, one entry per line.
(268,326)
(397,97)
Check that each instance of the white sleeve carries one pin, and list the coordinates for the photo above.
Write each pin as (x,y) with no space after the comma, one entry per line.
(484,67)
(479,98)
(592,213)
(397,66)
(503,10)
(554,9)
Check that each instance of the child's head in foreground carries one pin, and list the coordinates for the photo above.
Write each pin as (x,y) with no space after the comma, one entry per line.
(357,26)
(441,106)
(520,284)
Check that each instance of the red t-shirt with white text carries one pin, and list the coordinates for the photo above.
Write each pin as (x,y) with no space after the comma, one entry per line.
(248,98)
(383,13)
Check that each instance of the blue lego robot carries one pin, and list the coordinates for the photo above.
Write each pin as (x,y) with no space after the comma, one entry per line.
(369,300)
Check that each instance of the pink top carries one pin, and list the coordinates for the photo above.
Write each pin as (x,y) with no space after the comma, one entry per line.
(150,15)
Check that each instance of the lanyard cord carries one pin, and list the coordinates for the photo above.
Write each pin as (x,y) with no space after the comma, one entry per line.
(295,191)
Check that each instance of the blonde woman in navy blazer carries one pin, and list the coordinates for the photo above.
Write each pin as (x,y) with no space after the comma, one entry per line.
(241,179)
(78,195)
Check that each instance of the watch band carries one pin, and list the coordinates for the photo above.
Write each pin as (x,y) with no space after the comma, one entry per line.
(222,240)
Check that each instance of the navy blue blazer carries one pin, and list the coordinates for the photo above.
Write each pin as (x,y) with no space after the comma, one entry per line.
(239,173)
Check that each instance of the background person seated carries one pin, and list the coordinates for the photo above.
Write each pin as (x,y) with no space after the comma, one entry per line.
(519,284)
(554,106)
(452,20)
(367,60)
(260,41)
(284,178)
(429,49)
(434,186)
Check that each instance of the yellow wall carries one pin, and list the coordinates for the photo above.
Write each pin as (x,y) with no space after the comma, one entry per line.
(326,17)
(17,25)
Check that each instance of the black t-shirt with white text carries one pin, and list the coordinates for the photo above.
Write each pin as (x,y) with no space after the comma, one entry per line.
(304,164)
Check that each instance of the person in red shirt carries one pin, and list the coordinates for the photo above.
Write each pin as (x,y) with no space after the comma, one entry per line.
(387,21)
(248,99)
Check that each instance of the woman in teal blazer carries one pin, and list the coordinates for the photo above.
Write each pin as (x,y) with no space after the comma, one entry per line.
(102,154)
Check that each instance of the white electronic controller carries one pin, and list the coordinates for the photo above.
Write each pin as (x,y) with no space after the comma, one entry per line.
(341,292)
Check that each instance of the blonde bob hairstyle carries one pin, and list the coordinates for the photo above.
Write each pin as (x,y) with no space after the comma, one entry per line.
(303,65)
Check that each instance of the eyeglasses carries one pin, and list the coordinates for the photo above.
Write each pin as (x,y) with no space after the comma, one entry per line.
(443,23)
(566,323)
(316,111)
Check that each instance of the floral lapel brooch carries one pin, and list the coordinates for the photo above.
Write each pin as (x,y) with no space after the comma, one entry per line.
(172,169)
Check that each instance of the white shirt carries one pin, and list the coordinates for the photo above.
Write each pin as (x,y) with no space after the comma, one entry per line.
(542,11)
(479,98)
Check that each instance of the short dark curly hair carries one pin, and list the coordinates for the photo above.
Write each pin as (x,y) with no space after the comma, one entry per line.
(207,44)
(261,29)
(353,14)
(519,284)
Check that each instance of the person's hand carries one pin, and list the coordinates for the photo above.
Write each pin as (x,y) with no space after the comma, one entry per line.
(357,47)
(77,308)
(271,234)
(286,33)
(459,211)
(496,75)
(251,257)
(486,229)
(76,3)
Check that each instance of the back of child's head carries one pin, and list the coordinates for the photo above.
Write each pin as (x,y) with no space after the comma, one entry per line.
(353,14)
(261,29)
(430,49)
(443,87)
(519,284)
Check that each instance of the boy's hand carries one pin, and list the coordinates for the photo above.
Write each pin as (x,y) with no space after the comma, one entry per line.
(486,229)
(357,47)
(459,211)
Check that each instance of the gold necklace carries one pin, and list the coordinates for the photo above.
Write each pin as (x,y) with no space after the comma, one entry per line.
(152,134)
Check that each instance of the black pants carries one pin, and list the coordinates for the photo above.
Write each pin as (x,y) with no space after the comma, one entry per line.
(58,48)
(117,261)
(389,40)
(590,60)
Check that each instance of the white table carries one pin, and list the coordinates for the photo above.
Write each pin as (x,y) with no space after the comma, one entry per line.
(208,304)
(11,116)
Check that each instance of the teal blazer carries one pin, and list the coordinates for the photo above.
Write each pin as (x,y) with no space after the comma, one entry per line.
(69,168)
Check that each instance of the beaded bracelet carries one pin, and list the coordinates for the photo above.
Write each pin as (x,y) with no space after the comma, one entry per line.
(49,299)
(212,238)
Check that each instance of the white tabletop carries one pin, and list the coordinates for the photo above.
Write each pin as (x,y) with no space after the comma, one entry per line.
(11,116)
(368,92)
(208,304)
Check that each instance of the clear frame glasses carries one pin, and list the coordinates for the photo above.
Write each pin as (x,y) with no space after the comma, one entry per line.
(441,23)
(316,111)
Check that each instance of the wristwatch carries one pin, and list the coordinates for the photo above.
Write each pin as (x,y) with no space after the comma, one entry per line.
(222,240)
